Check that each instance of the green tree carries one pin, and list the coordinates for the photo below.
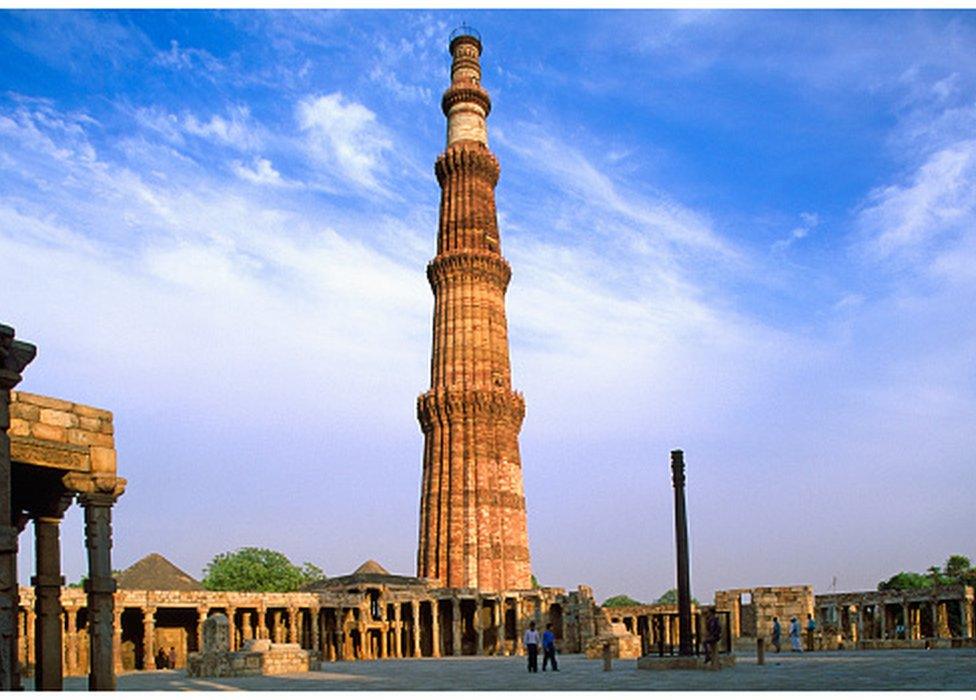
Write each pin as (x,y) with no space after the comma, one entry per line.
(937,577)
(670,597)
(256,569)
(957,567)
(620,601)
(80,583)
(906,581)
(535,582)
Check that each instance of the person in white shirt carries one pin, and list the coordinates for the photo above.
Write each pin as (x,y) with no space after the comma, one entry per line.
(532,647)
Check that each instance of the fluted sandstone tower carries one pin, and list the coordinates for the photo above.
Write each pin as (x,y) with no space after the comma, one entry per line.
(472,507)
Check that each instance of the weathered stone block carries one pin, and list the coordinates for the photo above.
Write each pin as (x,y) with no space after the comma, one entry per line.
(102,459)
(19,427)
(93,425)
(63,419)
(45,401)
(25,410)
(216,634)
(90,412)
(77,436)
(43,431)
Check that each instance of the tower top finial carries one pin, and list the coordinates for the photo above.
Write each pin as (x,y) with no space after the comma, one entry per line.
(464,32)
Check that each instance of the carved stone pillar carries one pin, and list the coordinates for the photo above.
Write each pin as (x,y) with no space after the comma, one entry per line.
(519,628)
(149,638)
(365,641)
(103,640)
(479,626)
(316,628)
(965,618)
(292,625)
(455,626)
(435,629)
(501,626)
(30,622)
(232,627)
(247,631)
(397,632)
(15,355)
(201,618)
(415,610)
(881,614)
(47,603)
(262,622)
(116,641)
(935,618)
(71,642)
(330,637)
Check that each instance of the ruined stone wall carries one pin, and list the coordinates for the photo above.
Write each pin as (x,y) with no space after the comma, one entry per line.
(756,618)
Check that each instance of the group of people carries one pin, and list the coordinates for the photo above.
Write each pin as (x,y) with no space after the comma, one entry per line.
(713,634)
(548,648)
(794,633)
(165,660)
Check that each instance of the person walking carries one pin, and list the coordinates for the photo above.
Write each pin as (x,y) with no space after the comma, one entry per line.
(713,634)
(549,648)
(532,647)
(795,635)
(811,628)
(777,631)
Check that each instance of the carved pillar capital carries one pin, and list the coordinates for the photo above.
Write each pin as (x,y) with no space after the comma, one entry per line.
(15,355)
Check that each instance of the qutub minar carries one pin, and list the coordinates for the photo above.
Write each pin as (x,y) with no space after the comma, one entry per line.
(472,508)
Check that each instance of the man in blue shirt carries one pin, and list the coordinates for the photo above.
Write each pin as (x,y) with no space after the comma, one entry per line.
(549,648)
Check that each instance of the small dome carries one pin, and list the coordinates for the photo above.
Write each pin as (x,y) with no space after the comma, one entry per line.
(371,567)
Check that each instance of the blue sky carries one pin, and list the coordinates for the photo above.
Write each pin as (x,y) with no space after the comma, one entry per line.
(746,234)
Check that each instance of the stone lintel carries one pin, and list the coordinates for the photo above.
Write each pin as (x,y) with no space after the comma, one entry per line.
(46,453)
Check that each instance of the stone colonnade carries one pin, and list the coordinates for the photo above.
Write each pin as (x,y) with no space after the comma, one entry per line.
(372,622)
(945,612)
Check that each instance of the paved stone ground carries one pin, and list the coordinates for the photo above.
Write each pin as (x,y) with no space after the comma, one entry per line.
(937,669)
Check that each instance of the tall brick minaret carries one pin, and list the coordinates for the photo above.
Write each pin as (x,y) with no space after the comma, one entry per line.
(472,506)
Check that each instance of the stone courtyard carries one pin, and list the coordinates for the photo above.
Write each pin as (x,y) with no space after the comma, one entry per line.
(906,669)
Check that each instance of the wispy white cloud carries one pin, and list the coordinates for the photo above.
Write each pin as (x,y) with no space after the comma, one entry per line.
(188,58)
(809,222)
(261,173)
(234,130)
(936,206)
(347,136)
(654,219)
(410,68)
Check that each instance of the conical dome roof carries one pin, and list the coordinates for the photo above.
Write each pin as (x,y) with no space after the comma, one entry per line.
(156,573)
(371,567)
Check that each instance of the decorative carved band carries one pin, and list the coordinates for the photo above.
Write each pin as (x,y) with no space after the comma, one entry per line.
(469,157)
(465,92)
(465,62)
(444,406)
(466,264)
